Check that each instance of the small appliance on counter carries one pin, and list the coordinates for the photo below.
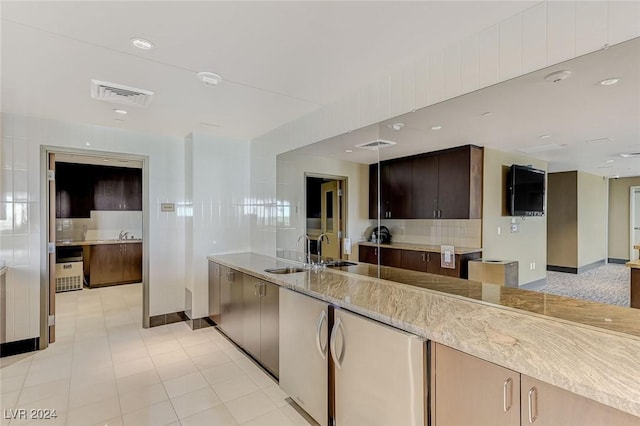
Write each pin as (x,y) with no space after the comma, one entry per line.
(380,234)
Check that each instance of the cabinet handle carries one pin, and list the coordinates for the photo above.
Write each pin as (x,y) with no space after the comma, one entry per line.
(256,292)
(428,257)
(321,349)
(507,394)
(533,404)
(262,290)
(424,257)
(334,336)
(439,213)
(375,252)
(434,214)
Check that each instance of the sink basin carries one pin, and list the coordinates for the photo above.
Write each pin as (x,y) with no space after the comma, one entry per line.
(285,270)
(340,264)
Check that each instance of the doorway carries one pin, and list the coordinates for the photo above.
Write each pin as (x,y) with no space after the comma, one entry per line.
(326,221)
(634,222)
(99,197)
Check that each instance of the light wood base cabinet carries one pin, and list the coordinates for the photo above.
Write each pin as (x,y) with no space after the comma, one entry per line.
(547,405)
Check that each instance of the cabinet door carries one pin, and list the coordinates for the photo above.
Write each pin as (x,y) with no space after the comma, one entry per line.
(74,190)
(453,183)
(414,260)
(373,191)
(231,303)
(544,404)
(391,257)
(433,263)
(251,315)
(384,195)
(425,186)
(108,190)
(214,291)
(225,299)
(379,373)
(106,264)
(304,338)
(132,189)
(470,391)
(400,189)
(269,324)
(131,262)
(368,254)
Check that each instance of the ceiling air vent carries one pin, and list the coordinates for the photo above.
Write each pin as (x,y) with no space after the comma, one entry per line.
(375,145)
(121,94)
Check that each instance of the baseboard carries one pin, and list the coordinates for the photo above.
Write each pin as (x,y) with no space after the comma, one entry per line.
(614,260)
(19,347)
(164,319)
(534,285)
(198,323)
(590,266)
(565,269)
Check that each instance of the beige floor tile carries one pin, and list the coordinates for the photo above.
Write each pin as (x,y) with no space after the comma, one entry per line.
(90,393)
(116,421)
(261,379)
(222,372)
(276,395)
(133,351)
(294,416)
(137,381)
(47,376)
(197,338)
(206,348)
(176,369)
(211,359)
(275,418)
(185,384)
(164,347)
(12,383)
(194,402)
(169,357)
(142,397)
(234,388)
(159,414)
(39,392)
(133,367)
(218,416)
(250,406)
(94,413)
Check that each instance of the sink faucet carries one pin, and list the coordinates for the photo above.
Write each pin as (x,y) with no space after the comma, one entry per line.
(308,261)
(123,235)
(321,237)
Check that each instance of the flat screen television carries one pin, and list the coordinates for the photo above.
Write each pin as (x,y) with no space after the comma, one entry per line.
(525,191)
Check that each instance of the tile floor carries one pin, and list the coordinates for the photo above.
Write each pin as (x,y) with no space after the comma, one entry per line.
(105,369)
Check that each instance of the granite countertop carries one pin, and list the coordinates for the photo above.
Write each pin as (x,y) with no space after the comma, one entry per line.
(95,242)
(536,334)
(421,247)
(3,267)
(634,264)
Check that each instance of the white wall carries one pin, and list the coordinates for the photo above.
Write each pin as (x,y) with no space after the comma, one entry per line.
(22,230)
(221,209)
(592,218)
(291,192)
(546,34)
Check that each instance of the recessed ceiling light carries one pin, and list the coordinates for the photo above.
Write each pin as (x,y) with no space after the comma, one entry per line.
(630,154)
(210,79)
(395,126)
(348,150)
(545,136)
(609,81)
(610,161)
(599,140)
(558,76)
(87,143)
(436,127)
(120,111)
(141,43)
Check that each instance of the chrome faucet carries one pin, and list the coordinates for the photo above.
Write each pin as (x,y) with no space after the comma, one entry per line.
(123,235)
(308,261)
(321,237)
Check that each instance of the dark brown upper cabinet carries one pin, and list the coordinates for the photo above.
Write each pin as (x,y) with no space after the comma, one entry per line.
(444,184)
(81,188)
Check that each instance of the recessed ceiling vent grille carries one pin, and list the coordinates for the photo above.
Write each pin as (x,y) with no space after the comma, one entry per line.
(118,93)
(376,144)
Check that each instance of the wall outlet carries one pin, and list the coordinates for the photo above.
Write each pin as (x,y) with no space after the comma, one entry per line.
(346,246)
(514,227)
(532,266)
(499,230)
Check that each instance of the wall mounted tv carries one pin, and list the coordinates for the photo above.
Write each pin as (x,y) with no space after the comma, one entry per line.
(525,191)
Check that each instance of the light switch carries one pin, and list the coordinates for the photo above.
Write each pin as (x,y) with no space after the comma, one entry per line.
(346,246)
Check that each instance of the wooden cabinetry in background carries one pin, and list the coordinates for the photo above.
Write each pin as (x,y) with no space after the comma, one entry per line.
(115,264)
(437,185)
(81,188)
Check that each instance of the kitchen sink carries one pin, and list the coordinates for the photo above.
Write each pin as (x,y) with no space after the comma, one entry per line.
(340,264)
(284,270)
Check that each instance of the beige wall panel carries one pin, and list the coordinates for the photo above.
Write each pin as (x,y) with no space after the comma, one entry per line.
(562,219)
(592,218)
(619,216)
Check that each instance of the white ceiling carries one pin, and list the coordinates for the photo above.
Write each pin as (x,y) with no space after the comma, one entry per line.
(574,112)
(279,60)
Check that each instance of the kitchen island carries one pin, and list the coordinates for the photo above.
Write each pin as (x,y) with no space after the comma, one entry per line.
(585,348)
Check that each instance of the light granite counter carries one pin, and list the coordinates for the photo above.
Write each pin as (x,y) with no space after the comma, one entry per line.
(95,242)
(586,348)
(421,247)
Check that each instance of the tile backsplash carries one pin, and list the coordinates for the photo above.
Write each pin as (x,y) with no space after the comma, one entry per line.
(457,232)
(102,225)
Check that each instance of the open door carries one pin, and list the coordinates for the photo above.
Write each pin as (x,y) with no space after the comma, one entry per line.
(51,246)
(634,236)
(331,220)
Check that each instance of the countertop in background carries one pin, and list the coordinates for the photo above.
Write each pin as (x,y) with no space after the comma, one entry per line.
(421,247)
